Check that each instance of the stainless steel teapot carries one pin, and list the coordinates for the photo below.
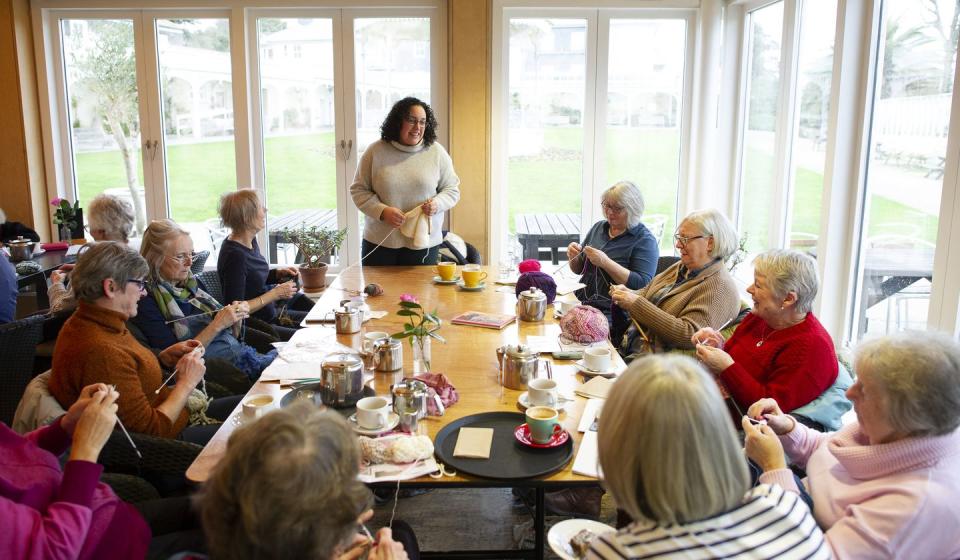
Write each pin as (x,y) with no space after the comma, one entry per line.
(410,402)
(518,365)
(341,380)
(531,305)
(21,249)
(388,354)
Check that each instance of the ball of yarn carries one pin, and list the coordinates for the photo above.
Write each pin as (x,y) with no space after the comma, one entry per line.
(584,324)
(373,289)
(529,265)
(537,279)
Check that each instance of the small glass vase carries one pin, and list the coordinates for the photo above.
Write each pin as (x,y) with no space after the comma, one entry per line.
(421,354)
(65,234)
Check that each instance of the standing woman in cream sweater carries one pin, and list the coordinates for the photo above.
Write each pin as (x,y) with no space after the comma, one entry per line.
(405,181)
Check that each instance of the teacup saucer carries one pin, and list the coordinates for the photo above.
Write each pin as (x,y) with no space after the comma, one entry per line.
(524,401)
(522,433)
(438,280)
(392,420)
(476,288)
(592,372)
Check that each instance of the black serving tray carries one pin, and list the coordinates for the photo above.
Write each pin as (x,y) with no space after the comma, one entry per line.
(509,459)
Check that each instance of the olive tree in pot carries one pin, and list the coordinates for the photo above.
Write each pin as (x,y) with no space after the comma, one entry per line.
(316,245)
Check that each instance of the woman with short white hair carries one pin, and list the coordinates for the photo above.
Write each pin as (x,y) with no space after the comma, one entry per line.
(696,292)
(888,484)
(617,250)
(110,218)
(673,462)
(780,350)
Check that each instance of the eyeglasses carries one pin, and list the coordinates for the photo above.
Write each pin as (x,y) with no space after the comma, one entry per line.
(183,258)
(415,122)
(140,282)
(683,240)
(611,208)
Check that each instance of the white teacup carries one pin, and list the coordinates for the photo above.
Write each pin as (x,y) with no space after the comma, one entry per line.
(563,305)
(597,358)
(542,392)
(372,412)
(255,406)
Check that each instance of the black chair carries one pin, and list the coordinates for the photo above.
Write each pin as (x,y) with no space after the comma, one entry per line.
(448,250)
(18,346)
(666,262)
(210,281)
(199,259)
(131,489)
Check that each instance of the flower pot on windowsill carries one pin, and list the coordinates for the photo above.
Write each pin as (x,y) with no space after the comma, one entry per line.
(315,278)
(77,236)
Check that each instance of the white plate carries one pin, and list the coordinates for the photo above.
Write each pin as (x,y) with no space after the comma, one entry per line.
(524,401)
(39,251)
(438,280)
(592,372)
(560,534)
(476,288)
(392,420)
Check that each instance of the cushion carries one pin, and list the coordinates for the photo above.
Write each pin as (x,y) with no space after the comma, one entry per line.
(832,404)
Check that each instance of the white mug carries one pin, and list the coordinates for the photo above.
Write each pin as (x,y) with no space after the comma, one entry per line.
(256,406)
(542,392)
(563,305)
(597,358)
(372,412)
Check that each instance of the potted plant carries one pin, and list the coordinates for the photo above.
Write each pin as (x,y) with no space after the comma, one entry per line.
(315,244)
(70,219)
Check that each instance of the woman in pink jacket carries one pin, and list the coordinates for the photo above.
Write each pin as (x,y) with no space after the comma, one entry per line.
(887,485)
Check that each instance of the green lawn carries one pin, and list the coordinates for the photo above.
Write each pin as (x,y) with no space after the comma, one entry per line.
(300,173)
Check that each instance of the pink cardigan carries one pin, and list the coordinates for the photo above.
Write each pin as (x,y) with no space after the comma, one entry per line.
(46,513)
(893,500)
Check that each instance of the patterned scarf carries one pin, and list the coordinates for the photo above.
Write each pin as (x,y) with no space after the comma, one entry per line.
(169,296)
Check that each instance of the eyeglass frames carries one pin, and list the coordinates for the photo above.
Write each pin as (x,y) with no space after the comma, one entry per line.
(412,121)
(183,258)
(611,208)
(683,240)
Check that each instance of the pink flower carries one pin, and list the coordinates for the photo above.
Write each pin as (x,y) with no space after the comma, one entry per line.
(55,202)
(409,297)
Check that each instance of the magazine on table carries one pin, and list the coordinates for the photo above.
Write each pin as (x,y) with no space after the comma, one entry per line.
(485,320)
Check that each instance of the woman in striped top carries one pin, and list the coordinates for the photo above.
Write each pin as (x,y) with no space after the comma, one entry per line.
(672,461)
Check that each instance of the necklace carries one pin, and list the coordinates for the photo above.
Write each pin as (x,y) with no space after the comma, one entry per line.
(763,337)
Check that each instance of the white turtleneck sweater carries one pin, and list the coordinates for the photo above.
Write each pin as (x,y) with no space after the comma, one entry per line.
(404,177)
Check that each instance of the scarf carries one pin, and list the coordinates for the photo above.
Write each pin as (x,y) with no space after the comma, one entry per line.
(168,297)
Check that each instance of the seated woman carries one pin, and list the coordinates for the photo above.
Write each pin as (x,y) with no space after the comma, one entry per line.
(887,485)
(177,308)
(52,513)
(673,462)
(694,293)
(780,350)
(109,218)
(287,488)
(617,250)
(245,274)
(95,346)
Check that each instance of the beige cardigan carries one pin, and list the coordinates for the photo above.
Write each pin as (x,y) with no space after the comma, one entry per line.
(711,299)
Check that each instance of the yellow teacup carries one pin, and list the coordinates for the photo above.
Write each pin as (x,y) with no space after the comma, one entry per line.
(447,271)
(473,276)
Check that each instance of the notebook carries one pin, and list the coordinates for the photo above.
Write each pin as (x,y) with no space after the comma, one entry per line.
(485,320)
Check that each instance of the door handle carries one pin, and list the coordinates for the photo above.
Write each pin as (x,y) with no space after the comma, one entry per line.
(349,149)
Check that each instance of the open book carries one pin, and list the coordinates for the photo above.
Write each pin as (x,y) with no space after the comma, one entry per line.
(486,320)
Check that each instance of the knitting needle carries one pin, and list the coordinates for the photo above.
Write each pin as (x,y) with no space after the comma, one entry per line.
(198,349)
(192,316)
(126,433)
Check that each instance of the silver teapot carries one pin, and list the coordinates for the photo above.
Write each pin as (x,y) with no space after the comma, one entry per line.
(518,365)
(531,305)
(348,320)
(341,380)
(410,402)
(21,249)
(388,354)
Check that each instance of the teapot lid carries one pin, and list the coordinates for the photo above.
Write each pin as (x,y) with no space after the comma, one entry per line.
(519,351)
(20,240)
(341,360)
(409,385)
(346,311)
(387,342)
(533,293)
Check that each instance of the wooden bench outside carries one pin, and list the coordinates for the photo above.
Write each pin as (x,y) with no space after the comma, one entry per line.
(325,218)
(550,232)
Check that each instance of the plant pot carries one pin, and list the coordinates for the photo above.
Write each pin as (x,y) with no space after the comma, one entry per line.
(314,279)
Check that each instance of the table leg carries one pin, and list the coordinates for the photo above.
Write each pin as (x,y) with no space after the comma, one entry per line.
(539,520)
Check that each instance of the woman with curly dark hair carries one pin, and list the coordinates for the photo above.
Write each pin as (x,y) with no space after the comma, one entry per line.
(405,181)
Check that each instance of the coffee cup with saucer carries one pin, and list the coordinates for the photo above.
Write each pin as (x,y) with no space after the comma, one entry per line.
(373,416)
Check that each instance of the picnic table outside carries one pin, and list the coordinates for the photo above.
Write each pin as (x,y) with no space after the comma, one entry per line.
(325,218)
(550,232)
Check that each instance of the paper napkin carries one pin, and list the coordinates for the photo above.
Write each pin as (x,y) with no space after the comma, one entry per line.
(596,388)
(587,463)
(474,443)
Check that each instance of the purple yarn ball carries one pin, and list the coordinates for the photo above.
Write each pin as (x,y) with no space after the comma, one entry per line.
(536,279)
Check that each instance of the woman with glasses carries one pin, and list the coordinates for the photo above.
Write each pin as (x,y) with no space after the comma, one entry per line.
(616,250)
(109,218)
(404,183)
(694,293)
(95,346)
(245,274)
(179,309)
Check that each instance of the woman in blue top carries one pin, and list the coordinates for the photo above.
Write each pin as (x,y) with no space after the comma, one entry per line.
(245,274)
(617,250)
(179,309)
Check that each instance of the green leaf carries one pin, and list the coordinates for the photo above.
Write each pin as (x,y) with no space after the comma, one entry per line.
(407,313)
(410,305)
(400,335)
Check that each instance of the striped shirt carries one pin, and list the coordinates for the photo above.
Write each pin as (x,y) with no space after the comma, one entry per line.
(770,523)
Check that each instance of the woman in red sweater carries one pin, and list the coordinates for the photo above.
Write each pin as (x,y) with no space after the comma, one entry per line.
(780,350)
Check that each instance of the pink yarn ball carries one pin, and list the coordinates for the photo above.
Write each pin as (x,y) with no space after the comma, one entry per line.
(529,265)
(584,324)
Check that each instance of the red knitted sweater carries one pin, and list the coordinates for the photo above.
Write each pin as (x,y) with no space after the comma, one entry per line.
(793,365)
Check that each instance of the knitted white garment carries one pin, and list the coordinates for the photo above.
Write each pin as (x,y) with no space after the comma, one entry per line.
(417,227)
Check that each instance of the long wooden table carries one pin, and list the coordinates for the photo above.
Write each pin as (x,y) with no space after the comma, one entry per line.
(468,358)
